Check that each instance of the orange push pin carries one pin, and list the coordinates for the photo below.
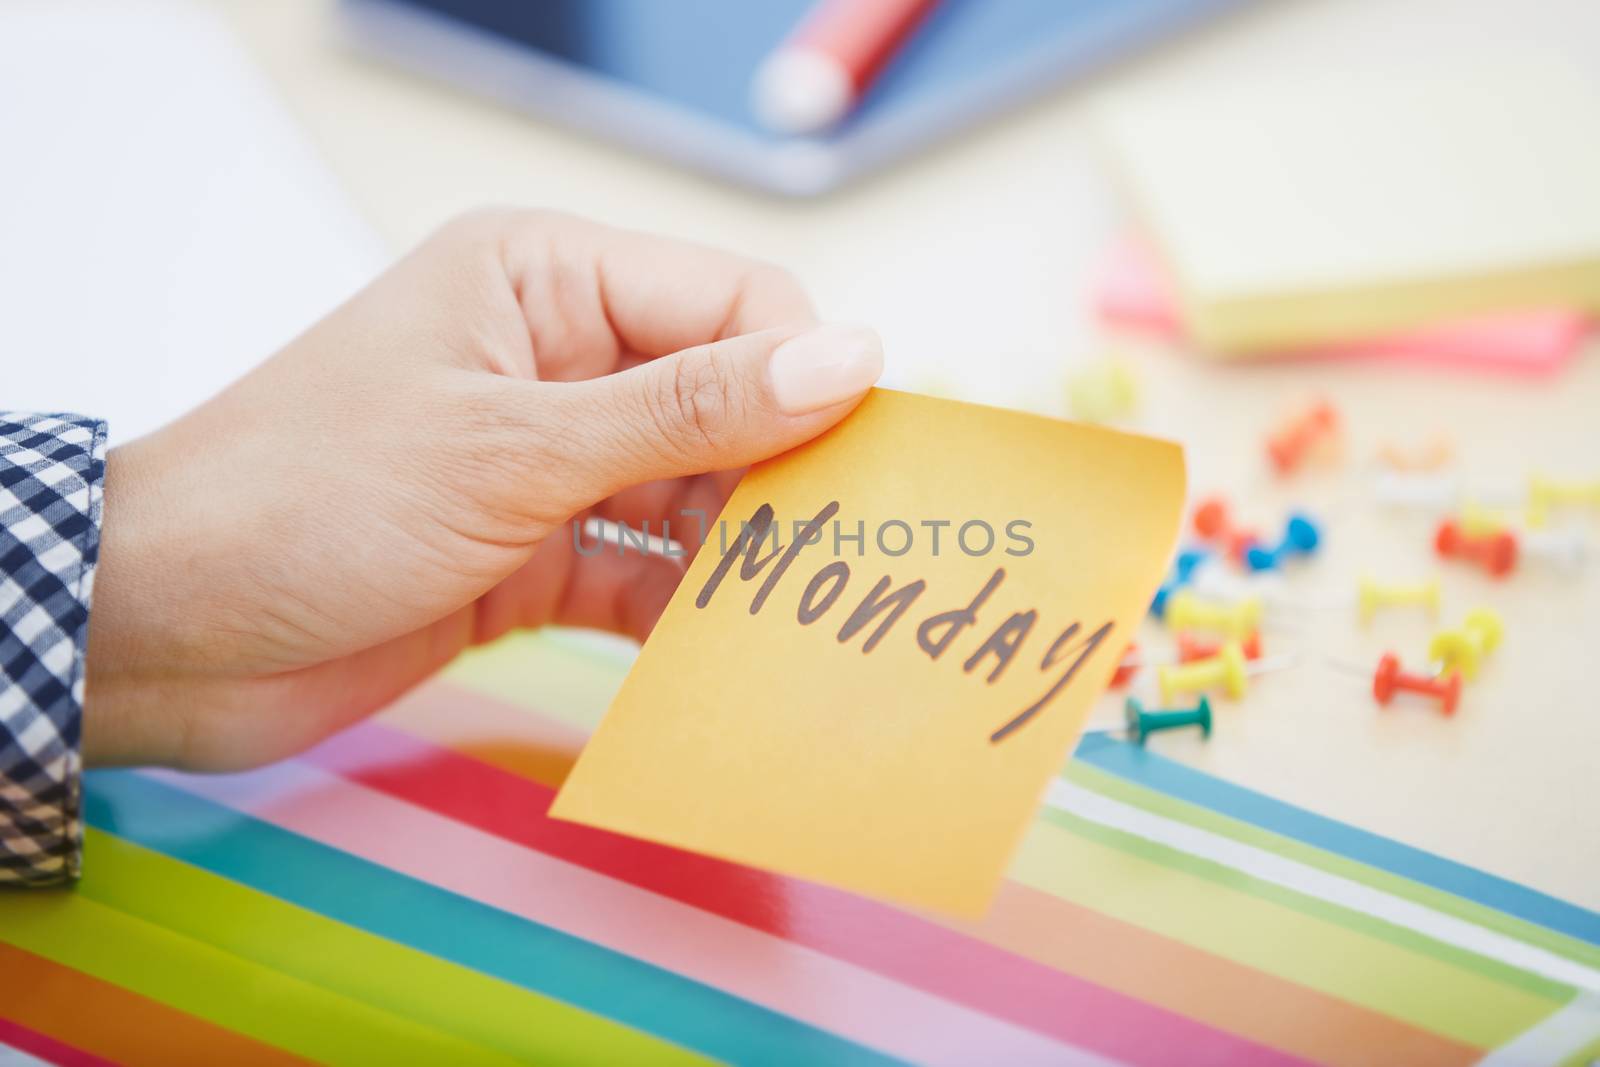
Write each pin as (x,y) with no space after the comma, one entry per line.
(1494,552)
(1213,522)
(1127,667)
(1191,648)
(1437,451)
(1312,433)
(1389,678)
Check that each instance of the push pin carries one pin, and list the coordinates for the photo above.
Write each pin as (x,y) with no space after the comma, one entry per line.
(1430,493)
(1227,670)
(1389,679)
(1143,723)
(1480,520)
(1372,596)
(1215,583)
(1185,611)
(1214,523)
(1312,433)
(1300,537)
(1432,454)
(1563,549)
(1127,667)
(1496,553)
(1545,494)
(1465,649)
(1107,391)
(1191,648)
(1182,573)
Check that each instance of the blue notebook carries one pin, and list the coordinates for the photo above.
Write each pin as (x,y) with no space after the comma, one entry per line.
(673,78)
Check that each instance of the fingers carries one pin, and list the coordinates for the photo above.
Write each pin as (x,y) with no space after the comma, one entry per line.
(712,407)
(679,509)
(624,593)
(595,298)
(595,586)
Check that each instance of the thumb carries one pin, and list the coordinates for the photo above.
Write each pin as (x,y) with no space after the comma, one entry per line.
(717,406)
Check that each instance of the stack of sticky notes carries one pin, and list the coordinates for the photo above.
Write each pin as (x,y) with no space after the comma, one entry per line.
(1299,209)
(1134,291)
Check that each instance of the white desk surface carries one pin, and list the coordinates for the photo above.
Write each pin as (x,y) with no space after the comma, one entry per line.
(973,260)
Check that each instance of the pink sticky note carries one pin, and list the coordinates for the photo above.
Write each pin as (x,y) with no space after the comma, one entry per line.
(1134,291)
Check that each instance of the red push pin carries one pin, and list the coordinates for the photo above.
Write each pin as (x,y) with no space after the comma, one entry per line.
(1214,523)
(1127,667)
(1314,431)
(1191,648)
(1495,552)
(1389,678)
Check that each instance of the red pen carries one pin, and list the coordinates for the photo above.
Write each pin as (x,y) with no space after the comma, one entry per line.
(818,73)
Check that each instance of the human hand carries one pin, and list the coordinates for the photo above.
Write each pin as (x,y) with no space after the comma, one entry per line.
(394,486)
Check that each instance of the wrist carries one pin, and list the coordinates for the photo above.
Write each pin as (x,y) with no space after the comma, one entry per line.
(128,670)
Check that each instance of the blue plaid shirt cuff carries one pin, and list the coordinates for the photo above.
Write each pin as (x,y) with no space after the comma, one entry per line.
(51,470)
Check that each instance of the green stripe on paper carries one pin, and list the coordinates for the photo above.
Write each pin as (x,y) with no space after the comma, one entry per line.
(1191,814)
(496,943)
(1316,907)
(576,682)
(388,976)
(1587,1056)
(86,935)
(1230,914)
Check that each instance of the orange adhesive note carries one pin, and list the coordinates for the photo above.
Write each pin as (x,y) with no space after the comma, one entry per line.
(886,647)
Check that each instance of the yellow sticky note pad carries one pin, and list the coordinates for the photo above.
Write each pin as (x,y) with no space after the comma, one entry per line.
(886,647)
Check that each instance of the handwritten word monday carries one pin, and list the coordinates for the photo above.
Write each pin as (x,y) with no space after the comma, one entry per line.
(882,608)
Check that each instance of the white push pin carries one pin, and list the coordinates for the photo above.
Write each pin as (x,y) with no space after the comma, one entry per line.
(1562,549)
(626,538)
(1210,580)
(1215,583)
(1430,493)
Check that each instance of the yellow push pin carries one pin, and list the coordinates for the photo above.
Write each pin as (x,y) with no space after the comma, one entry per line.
(1104,392)
(1480,520)
(1186,611)
(1465,648)
(1228,670)
(1546,493)
(1224,670)
(1373,596)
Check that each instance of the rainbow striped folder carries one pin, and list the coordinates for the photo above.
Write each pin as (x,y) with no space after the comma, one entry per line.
(398,896)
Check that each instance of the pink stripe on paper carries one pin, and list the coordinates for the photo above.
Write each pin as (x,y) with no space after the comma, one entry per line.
(797,981)
(887,941)
(43,1048)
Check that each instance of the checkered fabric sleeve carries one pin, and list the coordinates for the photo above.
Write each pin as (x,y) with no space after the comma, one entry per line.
(51,469)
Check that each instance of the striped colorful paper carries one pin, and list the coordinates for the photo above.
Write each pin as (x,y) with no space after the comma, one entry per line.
(399,896)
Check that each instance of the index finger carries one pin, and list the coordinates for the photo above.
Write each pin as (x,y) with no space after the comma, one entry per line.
(597,299)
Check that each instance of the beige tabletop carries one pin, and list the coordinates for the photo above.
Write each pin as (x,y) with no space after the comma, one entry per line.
(973,260)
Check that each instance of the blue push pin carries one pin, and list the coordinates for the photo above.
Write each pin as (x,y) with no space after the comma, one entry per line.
(1142,723)
(1182,574)
(1300,538)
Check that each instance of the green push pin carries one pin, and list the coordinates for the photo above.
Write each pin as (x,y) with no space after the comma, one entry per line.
(1142,723)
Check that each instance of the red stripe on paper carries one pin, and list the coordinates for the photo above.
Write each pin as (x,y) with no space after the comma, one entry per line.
(42,1047)
(894,943)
